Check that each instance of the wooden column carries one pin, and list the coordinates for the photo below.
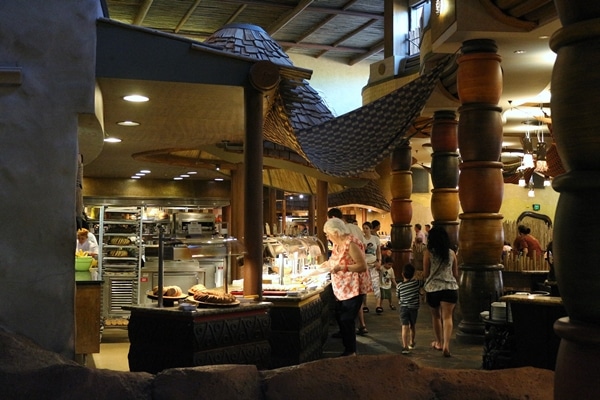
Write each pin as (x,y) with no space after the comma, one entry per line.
(263,77)
(481,237)
(401,207)
(322,205)
(444,173)
(576,127)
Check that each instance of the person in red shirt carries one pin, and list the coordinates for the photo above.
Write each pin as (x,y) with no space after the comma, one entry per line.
(526,244)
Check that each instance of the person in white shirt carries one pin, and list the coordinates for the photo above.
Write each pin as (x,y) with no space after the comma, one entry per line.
(85,244)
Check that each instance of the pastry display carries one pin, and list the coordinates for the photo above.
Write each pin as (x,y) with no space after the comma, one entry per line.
(214,297)
(196,288)
(169,291)
(118,253)
(120,241)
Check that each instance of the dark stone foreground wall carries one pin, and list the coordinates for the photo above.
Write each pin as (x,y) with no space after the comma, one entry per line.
(28,372)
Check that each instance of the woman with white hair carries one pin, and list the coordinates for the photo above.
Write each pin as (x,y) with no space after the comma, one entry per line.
(350,280)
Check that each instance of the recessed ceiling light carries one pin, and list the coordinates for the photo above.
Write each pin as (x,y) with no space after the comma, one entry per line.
(184,175)
(177,178)
(219,179)
(145,171)
(128,123)
(112,140)
(140,173)
(136,98)
(192,172)
(519,52)
(135,177)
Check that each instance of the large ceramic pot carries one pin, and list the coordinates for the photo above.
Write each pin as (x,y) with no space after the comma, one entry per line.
(444,131)
(401,211)
(480,132)
(401,236)
(572,11)
(444,204)
(481,238)
(481,186)
(574,118)
(479,78)
(401,159)
(401,184)
(451,227)
(576,270)
(444,170)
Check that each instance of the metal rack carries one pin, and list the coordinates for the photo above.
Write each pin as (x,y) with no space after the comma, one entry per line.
(119,260)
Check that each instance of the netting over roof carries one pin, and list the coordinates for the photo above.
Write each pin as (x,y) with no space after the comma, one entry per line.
(301,121)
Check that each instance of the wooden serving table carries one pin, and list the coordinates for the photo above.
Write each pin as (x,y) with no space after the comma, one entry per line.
(533,320)
(167,337)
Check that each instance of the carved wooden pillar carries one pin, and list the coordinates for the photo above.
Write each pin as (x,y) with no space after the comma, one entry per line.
(481,237)
(263,77)
(401,207)
(444,173)
(576,128)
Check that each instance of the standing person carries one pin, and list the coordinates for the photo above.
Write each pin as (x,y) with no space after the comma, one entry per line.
(419,233)
(526,244)
(418,251)
(85,244)
(373,257)
(441,285)
(354,229)
(387,279)
(349,280)
(408,298)
(427,229)
(375,227)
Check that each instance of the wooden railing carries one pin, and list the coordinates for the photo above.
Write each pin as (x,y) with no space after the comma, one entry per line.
(515,262)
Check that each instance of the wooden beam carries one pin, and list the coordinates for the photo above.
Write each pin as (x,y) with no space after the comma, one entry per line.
(142,12)
(349,35)
(236,13)
(286,19)
(373,50)
(187,15)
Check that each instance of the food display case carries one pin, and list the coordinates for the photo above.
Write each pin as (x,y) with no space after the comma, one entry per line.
(287,260)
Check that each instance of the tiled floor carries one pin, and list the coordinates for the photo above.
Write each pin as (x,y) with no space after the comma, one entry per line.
(383,338)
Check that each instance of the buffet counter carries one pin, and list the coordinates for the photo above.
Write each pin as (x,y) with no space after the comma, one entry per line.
(299,326)
(168,337)
(533,319)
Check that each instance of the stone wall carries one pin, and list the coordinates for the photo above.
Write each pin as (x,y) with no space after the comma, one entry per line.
(27,372)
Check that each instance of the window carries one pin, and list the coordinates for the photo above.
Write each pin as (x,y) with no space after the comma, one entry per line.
(419,18)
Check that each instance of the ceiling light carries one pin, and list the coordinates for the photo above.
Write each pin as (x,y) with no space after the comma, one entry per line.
(192,172)
(177,178)
(184,175)
(135,177)
(145,171)
(219,179)
(128,123)
(136,98)
(112,140)
(140,174)
(519,52)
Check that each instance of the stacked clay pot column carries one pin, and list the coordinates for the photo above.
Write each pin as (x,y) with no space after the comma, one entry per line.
(401,207)
(576,127)
(481,187)
(444,173)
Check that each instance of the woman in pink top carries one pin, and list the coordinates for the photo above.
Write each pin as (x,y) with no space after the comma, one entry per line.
(350,280)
